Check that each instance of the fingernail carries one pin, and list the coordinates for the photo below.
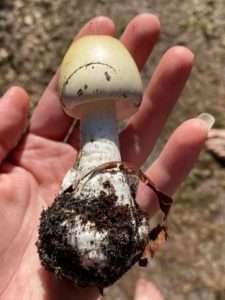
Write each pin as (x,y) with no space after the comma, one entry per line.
(9,92)
(207,119)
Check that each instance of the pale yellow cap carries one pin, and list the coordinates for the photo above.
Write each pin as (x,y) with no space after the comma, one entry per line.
(99,68)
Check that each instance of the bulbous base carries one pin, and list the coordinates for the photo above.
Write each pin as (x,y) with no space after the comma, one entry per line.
(92,242)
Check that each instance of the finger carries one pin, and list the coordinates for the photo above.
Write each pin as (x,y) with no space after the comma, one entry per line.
(175,162)
(145,290)
(98,25)
(14,107)
(48,119)
(140,36)
(166,85)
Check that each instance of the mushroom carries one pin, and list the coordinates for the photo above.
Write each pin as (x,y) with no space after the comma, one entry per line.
(95,231)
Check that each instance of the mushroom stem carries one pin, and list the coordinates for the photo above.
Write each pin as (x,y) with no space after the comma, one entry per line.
(99,141)
(99,145)
(99,137)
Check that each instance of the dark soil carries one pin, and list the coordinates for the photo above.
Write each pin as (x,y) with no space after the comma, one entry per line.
(33,38)
(123,247)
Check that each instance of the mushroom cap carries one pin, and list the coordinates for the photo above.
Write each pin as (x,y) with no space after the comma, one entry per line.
(99,68)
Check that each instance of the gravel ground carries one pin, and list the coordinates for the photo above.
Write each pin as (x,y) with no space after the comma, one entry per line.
(33,37)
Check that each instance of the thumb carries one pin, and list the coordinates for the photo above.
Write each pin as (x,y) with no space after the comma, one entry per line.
(14,107)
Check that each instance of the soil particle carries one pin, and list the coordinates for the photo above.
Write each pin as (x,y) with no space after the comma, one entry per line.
(107,184)
(107,76)
(80,92)
(143,262)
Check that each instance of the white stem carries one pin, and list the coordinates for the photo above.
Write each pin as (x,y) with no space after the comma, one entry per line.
(99,137)
(99,142)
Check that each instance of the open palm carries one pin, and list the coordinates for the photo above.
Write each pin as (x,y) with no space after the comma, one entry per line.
(34,163)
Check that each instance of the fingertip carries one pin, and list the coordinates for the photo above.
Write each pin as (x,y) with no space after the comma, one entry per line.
(142,283)
(150,16)
(98,25)
(146,24)
(140,36)
(17,91)
(146,290)
(170,75)
(182,51)
(190,133)
(180,56)
(19,95)
(102,25)
(14,108)
(199,127)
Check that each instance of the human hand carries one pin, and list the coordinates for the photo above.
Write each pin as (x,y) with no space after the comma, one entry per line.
(33,164)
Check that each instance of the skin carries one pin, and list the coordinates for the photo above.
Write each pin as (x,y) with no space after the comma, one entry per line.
(33,164)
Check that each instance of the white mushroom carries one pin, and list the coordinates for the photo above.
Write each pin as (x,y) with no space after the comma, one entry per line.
(95,231)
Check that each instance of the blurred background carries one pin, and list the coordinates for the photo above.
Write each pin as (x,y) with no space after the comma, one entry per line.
(34,35)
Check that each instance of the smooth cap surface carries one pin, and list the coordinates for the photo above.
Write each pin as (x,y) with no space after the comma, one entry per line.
(99,68)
